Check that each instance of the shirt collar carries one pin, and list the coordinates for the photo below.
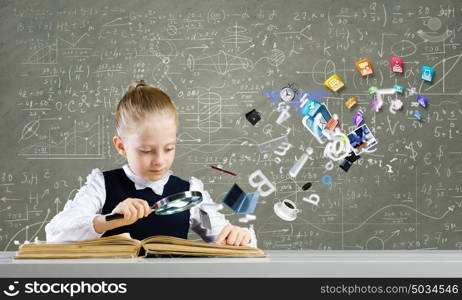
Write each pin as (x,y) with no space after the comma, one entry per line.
(157,186)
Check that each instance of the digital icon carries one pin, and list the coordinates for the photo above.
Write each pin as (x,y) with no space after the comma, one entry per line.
(358,118)
(395,104)
(253,117)
(376,105)
(349,160)
(306,186)
(313,199)
(240,202)
(316,118)
(337,147)
(372,90)
(334,83)
(397,64)
(287,94)
(398,88)
(345,166)
(361,139)
(379,93)
(326,179)
(298,165)
(422,100)
(364,67)
(427,73)
(10,292)
(286,210)
(418,115)
(351,102)
(283,109)
(333,122)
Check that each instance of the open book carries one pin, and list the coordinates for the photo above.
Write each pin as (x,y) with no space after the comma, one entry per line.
(123,246)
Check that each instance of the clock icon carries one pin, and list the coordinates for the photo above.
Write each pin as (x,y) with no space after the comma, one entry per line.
(287,94)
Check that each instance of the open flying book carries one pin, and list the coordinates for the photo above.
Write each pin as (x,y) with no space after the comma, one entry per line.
(123,246)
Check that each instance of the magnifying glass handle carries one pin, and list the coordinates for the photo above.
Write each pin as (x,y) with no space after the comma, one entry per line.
(114,217)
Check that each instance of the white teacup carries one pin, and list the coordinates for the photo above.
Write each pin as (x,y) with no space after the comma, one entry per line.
(286,210)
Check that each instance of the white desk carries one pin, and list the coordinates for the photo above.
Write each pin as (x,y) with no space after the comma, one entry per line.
(277,264)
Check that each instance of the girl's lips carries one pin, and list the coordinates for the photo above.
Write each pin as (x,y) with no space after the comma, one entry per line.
(154,171)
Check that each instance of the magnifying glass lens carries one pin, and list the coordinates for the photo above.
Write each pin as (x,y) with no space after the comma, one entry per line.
(178,205)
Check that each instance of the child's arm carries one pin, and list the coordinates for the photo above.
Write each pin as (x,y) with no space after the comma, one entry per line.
(75,221)
(81,218)
(218,221)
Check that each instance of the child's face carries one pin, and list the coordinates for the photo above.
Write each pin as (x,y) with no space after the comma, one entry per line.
(149,146)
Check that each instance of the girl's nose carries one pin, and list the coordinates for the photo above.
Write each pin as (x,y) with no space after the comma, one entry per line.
(157,159)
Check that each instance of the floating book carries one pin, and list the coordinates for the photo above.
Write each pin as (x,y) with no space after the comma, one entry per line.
(240,202)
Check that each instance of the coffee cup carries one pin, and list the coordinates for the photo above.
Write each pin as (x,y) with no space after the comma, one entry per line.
(286,210)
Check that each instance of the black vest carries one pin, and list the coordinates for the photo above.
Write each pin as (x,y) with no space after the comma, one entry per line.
(119,187)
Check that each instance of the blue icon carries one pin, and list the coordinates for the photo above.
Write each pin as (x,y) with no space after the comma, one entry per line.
(399,88)
(316,117)
(422,100)
(427,73)
(240,202)
(326,179)
(361,139)
(418,115)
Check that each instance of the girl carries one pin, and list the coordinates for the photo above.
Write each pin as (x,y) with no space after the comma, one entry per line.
(146,124)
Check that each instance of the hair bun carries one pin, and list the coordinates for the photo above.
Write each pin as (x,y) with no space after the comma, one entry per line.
(136,83)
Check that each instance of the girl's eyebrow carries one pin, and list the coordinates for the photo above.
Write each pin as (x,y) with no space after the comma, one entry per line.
(168,144)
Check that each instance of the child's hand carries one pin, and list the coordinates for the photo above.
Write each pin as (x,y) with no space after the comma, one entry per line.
(132,209)
(234,236)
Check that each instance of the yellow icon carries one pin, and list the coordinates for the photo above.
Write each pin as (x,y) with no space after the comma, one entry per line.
(350,102)
(334,83)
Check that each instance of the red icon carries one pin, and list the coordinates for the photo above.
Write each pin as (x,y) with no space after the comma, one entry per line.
(397,64)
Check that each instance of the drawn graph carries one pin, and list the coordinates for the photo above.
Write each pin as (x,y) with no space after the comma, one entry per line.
(55,143)
(47,54)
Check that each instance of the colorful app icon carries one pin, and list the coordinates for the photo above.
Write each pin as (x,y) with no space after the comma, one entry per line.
(334,83)
(350,102)
(427,73)
(397,64)
(364,67)
(422,100)
(361,139)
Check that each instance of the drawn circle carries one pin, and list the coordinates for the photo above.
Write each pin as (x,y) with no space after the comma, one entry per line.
(403,48)
(326,179)
(323,69)
(375,243)
(276,57)
(434,24)
(172,30)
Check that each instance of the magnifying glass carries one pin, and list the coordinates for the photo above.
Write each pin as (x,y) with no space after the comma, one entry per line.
(169,205)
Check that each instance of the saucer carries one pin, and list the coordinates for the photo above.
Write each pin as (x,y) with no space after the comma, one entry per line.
(282,215)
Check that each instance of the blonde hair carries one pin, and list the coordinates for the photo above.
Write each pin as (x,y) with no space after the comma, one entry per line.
(142,99)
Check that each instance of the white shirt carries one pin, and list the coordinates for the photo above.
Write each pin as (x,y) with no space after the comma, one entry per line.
(75,221)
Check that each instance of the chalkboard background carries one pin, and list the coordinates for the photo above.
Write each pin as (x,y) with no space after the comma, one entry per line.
(64,66)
